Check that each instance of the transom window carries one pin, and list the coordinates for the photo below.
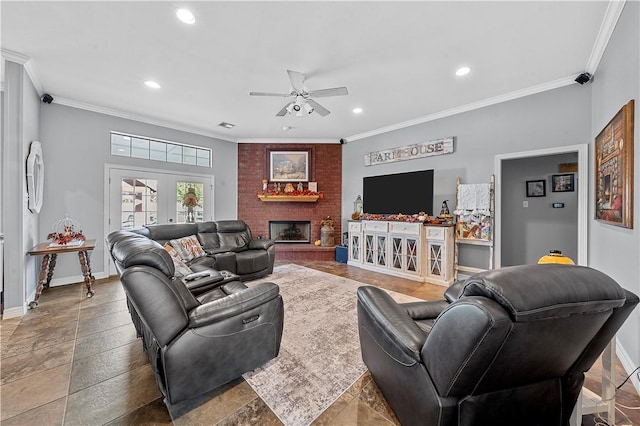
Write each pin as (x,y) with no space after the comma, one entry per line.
(126,145)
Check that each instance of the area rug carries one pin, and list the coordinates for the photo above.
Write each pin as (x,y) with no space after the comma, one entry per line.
(320,352)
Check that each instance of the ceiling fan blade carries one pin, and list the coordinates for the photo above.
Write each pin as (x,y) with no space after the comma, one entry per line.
(323,93)
(297,80)
(318,108)
(281,95)
(283,111)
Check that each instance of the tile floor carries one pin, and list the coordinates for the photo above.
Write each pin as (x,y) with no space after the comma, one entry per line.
(77,361)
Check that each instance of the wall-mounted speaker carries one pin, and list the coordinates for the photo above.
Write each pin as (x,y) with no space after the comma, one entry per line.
(47,98)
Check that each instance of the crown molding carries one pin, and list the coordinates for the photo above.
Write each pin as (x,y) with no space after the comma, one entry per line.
(608,25)
(468,107)
(289,140)
(27,63)
(141,118)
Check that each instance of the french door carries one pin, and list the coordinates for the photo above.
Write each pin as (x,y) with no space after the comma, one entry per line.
(138,197)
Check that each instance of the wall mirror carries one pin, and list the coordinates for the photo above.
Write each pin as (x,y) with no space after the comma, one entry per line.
(35,177)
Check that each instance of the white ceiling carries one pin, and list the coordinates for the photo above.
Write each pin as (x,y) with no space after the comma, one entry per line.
(397,59)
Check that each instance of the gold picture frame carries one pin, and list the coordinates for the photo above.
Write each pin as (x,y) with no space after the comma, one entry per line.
(614,169)
(289,166)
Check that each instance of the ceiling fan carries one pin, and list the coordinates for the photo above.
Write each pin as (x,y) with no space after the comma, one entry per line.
(301,97)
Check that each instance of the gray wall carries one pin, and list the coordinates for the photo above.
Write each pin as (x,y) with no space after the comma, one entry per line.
(529,233)
(612,249)
(21,126)
(77,142)
(555,118)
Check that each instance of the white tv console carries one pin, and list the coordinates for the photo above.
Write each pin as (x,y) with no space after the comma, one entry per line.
(409,250)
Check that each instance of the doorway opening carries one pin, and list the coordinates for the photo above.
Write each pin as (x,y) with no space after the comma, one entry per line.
(581,188)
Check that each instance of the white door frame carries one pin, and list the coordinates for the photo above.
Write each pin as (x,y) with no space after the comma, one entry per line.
(582,188)
(107,199)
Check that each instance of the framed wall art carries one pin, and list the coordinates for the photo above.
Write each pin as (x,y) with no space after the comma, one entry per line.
(289,166)
(614,169)
(563,183)
(536,188)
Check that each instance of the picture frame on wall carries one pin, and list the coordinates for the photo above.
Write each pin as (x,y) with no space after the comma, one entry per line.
(536,188)
(289,166)
(614,169)
(563,183)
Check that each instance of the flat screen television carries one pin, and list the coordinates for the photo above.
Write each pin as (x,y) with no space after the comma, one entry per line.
(405,193)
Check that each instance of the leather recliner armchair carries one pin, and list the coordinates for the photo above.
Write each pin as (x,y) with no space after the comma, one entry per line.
(511,347)
(194,343)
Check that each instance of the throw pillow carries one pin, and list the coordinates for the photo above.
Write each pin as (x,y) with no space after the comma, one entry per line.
(188,248)
(181,269)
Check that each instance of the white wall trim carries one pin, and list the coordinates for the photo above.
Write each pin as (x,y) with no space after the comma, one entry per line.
(628,365)
(289,140)
(582,189)
(608,25)
(469,107)
(28,65)
(15,312)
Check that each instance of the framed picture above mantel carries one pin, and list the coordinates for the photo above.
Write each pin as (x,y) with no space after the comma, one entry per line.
(293,165)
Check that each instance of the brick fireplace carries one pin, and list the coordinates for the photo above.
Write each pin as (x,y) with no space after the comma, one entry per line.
(325,168)
(290,231)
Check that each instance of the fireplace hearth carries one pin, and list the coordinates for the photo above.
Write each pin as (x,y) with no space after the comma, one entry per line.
(290,231)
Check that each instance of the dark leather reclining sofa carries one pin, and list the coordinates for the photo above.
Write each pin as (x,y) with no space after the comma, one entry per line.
(194,341)
(228,244)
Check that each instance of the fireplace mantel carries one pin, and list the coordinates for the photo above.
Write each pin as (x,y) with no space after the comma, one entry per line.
(289,198)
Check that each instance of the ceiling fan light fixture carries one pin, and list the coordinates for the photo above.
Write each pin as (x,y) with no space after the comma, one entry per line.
(308,108)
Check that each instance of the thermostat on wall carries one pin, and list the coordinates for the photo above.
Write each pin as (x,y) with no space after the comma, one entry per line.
(558,205)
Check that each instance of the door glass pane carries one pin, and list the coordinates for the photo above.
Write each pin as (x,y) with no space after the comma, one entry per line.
(189,202)
(139,202)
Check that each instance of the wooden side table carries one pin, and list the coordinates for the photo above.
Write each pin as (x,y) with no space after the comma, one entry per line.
(49,255)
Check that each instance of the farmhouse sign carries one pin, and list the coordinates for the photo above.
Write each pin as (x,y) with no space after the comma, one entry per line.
(409,152)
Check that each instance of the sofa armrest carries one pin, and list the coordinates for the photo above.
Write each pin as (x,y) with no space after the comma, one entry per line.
(261,244)
(425,310)
(233,304)
(392,320)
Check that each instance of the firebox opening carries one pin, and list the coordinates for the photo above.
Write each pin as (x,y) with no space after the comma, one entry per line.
(290,231)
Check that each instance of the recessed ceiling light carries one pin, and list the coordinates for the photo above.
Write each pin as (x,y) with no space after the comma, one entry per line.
(357,110)
(152,84)
(286,128)
(227,125)
(463,71)
(185,16)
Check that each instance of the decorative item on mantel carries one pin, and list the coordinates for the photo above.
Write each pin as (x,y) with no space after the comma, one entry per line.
(190,201)
(421,217)
(66,232)
(326,232)
(288,193)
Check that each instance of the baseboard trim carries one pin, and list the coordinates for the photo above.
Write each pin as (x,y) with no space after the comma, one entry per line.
(14,312)
(628,365)
(74,279)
